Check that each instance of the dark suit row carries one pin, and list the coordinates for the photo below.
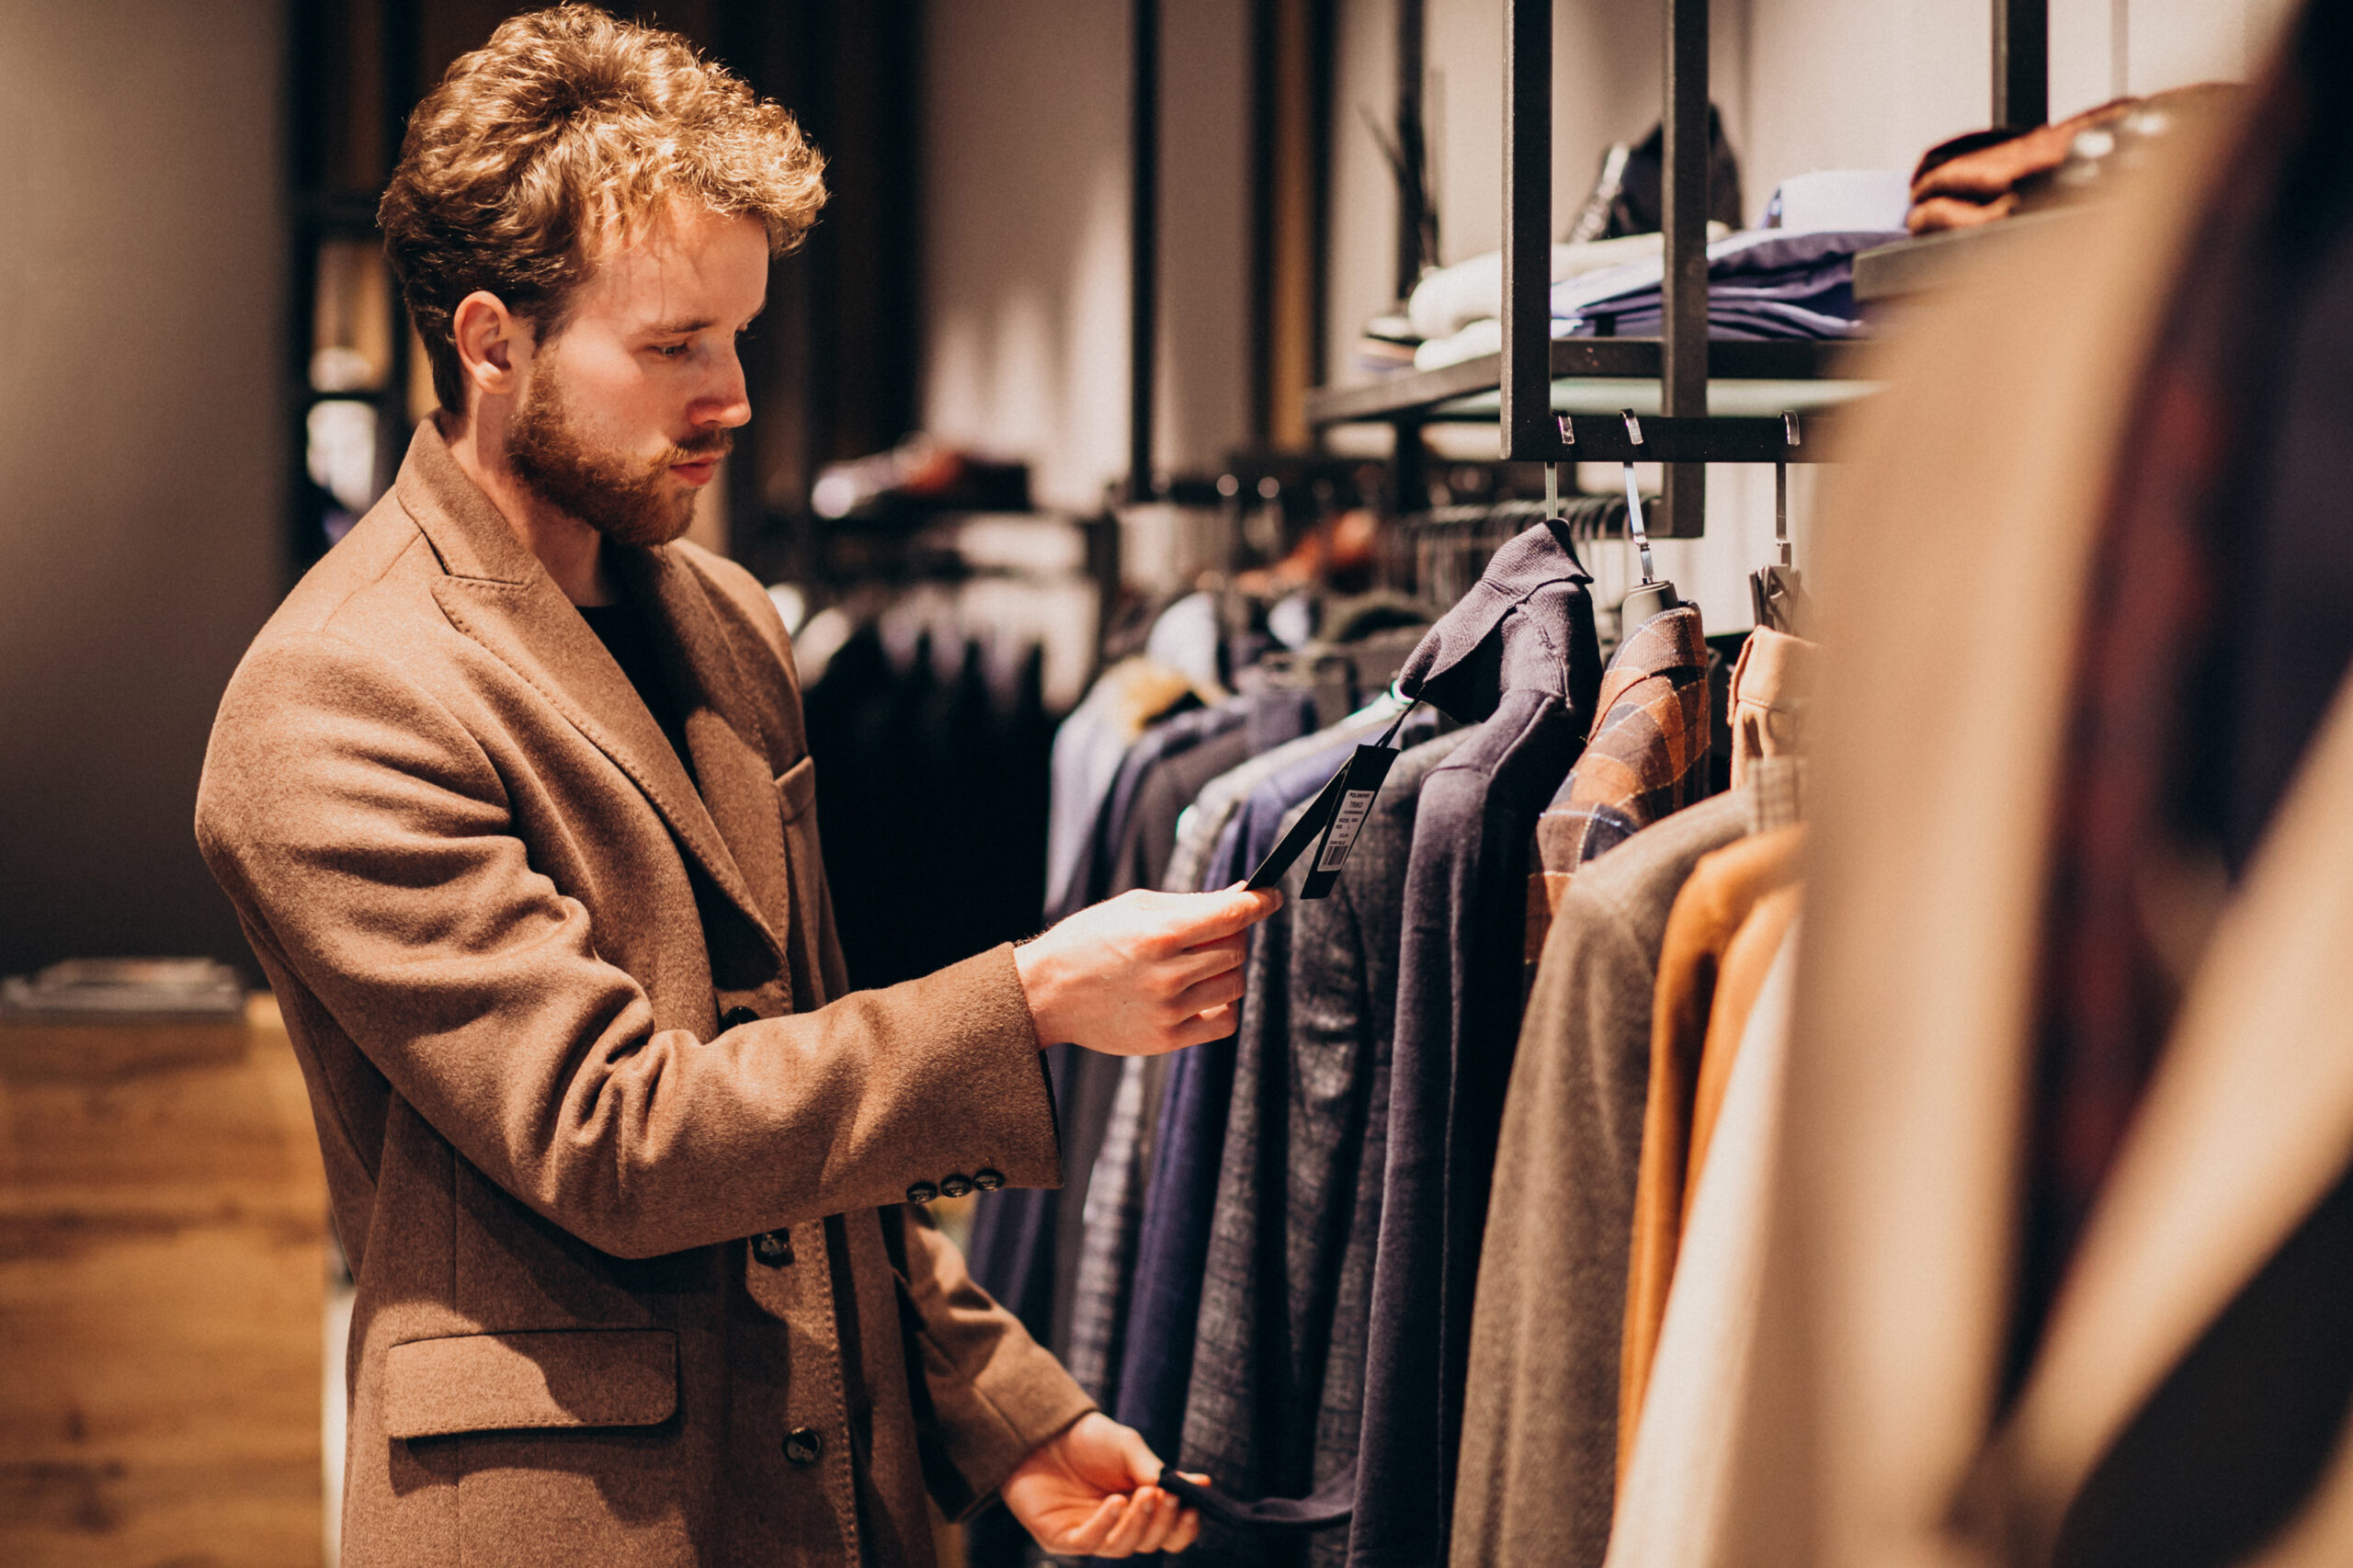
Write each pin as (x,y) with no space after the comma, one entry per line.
(1272,1262)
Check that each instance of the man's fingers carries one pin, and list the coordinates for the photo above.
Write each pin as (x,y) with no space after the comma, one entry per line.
(1213,958)
(1133,1518)
(1187,1531)
(1088,1538)
(1214,1024)
(1217,991)
(1160,1525)
(1212,916)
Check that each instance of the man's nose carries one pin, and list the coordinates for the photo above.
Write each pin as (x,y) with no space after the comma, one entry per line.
(727,403)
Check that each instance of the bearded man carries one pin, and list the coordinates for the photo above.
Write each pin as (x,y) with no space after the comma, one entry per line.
(513,799)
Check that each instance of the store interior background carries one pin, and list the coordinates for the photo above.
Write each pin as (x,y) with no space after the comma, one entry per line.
(168,175)
(971,280)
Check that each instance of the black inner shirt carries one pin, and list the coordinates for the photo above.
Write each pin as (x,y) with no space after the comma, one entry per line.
(627,635)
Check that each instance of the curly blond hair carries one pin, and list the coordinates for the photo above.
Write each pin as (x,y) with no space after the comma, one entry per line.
(562,137)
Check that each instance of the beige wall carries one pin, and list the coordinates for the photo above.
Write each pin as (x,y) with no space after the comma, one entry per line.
(1025,219)
(141,451)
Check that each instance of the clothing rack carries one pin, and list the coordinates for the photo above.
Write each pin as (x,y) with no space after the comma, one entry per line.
(1449,547)
(1718,402)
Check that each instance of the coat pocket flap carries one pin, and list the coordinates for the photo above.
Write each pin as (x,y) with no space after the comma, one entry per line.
(491,1382)
(796,787)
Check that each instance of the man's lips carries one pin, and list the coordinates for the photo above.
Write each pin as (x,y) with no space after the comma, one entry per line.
(698,472)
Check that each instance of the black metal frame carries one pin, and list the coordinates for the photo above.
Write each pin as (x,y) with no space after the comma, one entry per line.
(1684,437)
(1144,238)
(2021,63)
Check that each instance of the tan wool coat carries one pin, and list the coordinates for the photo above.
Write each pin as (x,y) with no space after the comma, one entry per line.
(620,1164)
(1874,1434)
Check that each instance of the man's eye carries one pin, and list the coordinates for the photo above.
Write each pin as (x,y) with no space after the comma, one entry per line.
(672,350)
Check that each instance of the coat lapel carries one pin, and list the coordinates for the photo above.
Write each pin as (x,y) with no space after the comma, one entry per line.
(498,593)
(731,749)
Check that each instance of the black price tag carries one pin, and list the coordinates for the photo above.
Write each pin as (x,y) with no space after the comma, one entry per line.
(1332,822)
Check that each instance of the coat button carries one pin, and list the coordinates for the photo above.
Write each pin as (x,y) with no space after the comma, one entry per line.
(772,1249)
(803,1444)
(988,1180)
(956,1184)
(737,1018)
(922,1192)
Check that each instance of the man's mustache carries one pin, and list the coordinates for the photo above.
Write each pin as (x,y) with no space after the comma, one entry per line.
(703,448)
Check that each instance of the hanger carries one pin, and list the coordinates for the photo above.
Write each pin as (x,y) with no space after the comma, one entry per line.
(1777,592)
(1653,596)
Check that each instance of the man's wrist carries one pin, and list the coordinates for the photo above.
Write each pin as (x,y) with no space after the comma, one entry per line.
(1033,965)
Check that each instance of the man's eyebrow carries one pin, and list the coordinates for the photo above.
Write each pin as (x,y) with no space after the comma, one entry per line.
(696,323)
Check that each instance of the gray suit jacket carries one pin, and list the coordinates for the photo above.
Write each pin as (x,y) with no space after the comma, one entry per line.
(1538,1466)
(1277,1383)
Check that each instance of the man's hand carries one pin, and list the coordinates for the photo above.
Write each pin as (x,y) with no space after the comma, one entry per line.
(1145,973)
(1089,1492)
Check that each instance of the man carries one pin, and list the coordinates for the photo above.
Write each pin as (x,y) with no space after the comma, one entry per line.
(513,799)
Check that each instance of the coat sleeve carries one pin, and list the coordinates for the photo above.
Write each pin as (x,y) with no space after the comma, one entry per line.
(990,1394)
(371,842)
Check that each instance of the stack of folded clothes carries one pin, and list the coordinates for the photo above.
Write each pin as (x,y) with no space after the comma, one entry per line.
(1765,283)
(1987,174)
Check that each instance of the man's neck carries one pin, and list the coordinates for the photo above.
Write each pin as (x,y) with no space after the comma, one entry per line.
(570,550)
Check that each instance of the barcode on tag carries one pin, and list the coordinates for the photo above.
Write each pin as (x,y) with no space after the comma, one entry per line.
(1354,807)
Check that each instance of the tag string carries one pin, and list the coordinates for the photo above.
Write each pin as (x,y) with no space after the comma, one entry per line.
(1390,733)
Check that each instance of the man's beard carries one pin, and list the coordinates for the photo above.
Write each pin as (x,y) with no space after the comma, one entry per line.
(628,500)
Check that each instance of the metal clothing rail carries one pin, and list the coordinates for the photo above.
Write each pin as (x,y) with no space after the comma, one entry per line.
(1683,434)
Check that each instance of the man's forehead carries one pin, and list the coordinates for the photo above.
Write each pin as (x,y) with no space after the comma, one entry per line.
(684,272)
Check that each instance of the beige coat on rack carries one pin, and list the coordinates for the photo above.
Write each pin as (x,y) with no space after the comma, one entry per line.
(1955,564)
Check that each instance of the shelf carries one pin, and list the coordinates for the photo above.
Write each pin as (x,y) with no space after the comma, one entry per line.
(1932,262)
(1602,375)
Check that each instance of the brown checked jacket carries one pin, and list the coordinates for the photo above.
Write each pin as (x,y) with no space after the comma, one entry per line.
(621,1166)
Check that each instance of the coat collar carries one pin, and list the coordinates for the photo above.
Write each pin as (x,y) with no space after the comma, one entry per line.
(497,593)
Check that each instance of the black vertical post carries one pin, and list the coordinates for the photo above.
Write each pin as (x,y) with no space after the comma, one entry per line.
(1529,434)
(1323,47)
(2021,63)
(1143,239)
(1263,80)
(401,50)
(1413,146)
(1408,481)
(1684,327)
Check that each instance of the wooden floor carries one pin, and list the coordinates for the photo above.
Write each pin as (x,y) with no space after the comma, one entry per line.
(161,1281)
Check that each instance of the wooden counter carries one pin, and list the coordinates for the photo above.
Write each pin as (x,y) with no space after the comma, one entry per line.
(162,1286)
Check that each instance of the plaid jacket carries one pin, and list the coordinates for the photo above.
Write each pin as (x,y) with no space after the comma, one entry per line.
(1647,756)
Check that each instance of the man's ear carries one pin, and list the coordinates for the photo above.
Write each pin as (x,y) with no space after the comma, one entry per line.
(493,343)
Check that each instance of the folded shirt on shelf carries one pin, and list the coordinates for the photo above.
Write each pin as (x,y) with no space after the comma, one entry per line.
(1449,298)
(1767,283)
